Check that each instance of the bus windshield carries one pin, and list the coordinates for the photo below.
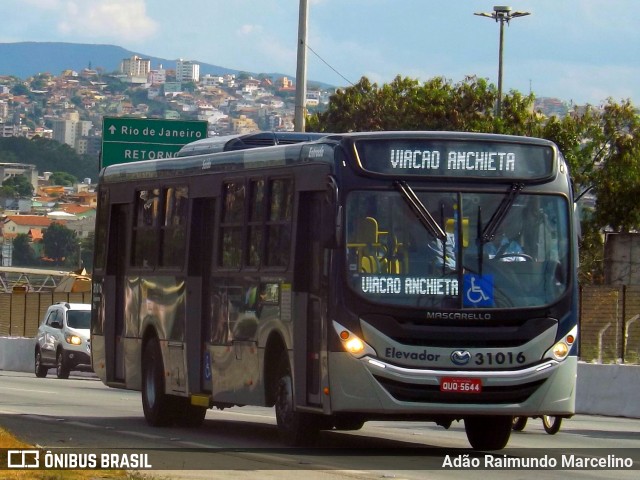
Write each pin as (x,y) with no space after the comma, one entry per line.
(457,250)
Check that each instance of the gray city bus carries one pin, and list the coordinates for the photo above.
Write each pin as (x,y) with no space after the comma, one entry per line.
(389,276)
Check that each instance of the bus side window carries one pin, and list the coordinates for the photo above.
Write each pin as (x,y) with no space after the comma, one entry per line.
(174,226)
(255,234)
(231,226)
(279,222)
(145,235)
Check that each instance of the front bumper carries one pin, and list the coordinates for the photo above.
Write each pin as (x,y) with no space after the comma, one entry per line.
(371,385)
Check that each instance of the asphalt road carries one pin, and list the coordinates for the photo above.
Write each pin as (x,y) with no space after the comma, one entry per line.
(81,415)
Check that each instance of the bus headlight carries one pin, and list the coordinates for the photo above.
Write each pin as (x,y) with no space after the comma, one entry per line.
(352,343)
(563,346)
(560,350)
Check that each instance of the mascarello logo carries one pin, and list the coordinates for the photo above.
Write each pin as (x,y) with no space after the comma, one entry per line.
(460,357)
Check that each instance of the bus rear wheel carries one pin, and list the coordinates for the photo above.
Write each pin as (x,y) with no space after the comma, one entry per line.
(490,432)
(295,428)
(157,405)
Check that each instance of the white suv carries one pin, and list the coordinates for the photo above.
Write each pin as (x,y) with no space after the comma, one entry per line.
(63,340)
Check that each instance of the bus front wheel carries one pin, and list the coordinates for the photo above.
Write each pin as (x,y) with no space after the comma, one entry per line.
(155,402)
(295,428)
(490,432)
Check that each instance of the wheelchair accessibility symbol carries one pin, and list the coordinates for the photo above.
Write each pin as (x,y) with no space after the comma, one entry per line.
(207,366)
(478,290)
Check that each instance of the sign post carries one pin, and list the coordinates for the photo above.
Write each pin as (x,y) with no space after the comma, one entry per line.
(126,139)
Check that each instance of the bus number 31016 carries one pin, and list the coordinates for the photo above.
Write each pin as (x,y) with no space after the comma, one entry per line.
(499,358)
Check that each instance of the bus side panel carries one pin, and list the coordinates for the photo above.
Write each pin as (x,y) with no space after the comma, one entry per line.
(239,314)
(163,309)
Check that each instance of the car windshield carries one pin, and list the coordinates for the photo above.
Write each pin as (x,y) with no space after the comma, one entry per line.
(457,250)
(79,318)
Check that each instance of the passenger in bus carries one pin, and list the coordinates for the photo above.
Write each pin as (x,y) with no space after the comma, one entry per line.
(444,255)
(507,243)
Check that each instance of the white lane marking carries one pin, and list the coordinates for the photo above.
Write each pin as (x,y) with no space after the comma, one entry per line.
(84,424)
(141,435)
(51,392)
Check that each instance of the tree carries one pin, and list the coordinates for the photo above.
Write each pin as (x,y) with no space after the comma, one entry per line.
(437,104)
(20,185)
(59,242)
(22,252)
(47,155)
(87,246)
(20,89)
(62,178)
(602,147)
(616,175)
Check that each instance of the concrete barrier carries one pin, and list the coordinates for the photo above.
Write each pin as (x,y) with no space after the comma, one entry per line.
(17,354)
(610,390)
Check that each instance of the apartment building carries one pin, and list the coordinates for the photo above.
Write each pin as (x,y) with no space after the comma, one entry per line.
(4,109)
(71,132)
(157,77)
(135,66)
(187,71)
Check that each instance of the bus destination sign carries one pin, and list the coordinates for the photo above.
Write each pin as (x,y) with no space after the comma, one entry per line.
(456,159)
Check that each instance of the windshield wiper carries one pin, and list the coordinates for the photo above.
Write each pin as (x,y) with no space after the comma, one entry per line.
(416,205)
(499,215)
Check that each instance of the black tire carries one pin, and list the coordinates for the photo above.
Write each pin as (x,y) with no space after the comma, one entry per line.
(188,415)
(156,404)
(489,432)
(519,423)
(295,428)
(62,371)
(551,424)
(40,370)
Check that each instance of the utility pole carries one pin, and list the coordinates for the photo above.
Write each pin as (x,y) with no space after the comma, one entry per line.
(301,69)
(502,14)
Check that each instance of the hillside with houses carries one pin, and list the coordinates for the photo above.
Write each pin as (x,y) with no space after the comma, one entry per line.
(67,107)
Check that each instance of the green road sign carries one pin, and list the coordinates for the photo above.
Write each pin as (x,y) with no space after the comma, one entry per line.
(126,139)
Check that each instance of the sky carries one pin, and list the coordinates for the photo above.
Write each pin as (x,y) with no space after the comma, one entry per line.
(584,51)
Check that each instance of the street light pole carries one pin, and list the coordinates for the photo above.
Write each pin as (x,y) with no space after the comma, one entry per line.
(502,14)
(301,69)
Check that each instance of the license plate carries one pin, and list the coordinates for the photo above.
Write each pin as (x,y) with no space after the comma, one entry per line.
(460,385)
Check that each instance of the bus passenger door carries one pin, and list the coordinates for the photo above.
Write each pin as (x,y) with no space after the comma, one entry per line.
(114,331)
(199,327)
(310,286)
